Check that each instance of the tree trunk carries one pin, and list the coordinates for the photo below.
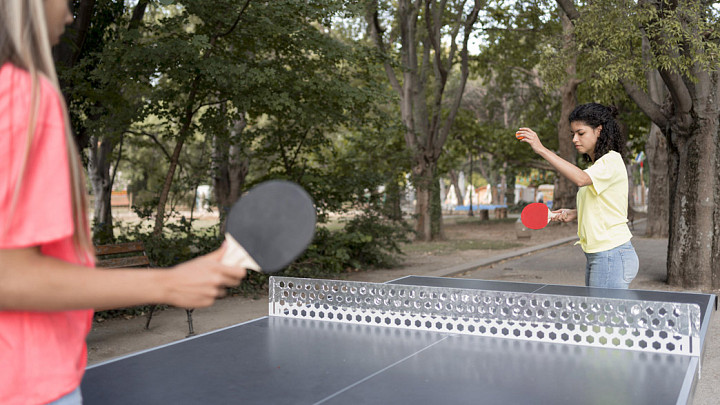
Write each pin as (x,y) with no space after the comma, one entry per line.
(391,206)
(175,158)
(694,243)
(510,190)
(66,55)
(472,187)
(436,228)
(165,192)
(656,149)
(423,176)
(230,167)
(99,154)
(630,168)
(426,118)
(658,214)
(565,191)
(456,186)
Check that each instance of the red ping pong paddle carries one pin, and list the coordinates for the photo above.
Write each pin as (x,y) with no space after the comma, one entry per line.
(269,227)
(536,216)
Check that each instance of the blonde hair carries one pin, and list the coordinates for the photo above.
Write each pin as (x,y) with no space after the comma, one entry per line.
(24,42)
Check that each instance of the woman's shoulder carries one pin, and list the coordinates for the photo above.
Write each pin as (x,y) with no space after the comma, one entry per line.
(20,81)
(612,157)
(14,77)
(16,89)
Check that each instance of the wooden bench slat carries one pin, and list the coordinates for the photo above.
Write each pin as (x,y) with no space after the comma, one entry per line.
(134,261)
(129,247)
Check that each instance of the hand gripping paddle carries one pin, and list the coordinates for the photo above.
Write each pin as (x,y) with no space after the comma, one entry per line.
(536,216)
(269,227)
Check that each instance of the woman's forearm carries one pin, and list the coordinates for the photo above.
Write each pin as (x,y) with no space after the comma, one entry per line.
(33,282)
(30,281)
(565,168)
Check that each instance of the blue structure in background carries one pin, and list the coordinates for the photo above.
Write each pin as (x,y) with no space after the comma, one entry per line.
(478,207)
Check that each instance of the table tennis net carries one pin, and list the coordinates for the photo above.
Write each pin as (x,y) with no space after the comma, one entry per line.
(650,326)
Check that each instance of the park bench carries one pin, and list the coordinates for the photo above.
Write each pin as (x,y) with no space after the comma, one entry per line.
(131,255)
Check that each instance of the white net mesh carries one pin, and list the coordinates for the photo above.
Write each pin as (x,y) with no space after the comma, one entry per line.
(654,326)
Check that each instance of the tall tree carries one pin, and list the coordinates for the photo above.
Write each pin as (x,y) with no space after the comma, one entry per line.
(564,195)
(200,72)
(685,45)
(423,27)
(516,39)
(97,29)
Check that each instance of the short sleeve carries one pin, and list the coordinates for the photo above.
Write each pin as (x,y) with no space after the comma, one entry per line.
(604,172)
(42,212)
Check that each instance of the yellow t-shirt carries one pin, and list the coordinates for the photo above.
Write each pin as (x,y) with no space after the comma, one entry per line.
(602,206)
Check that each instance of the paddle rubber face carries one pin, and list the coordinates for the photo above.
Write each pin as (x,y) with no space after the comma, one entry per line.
(273,223)
(535,216)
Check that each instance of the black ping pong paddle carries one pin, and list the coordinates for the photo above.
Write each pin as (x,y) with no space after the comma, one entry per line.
(269,227)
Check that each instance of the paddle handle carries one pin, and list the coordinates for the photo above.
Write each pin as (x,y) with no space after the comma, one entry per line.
(236,255)
(551,216)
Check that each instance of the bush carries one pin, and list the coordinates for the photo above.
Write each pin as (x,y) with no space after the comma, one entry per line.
(180,244)
(366,241)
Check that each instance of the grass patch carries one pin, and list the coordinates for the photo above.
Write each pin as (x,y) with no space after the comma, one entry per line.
(447,247)
(333,225)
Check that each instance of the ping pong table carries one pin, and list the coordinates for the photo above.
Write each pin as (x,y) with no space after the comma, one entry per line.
(427,340)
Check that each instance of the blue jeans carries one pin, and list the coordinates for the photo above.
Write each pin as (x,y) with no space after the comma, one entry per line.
(73,398)
(614,268)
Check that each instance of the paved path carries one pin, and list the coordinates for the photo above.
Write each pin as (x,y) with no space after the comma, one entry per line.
(558,262)
(562,262)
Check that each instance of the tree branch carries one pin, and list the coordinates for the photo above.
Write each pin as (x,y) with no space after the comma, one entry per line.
(237,20)
(645,102)
(568,7)
(154,139)
(117,161)
(69,50)
(465,72)
(138,14)
(376,32)
(678,91)
(208,104)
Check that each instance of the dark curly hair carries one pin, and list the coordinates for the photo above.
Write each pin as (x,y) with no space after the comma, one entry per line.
(594,115)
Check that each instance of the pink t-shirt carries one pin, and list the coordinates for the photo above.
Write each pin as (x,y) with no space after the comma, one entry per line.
(42,354)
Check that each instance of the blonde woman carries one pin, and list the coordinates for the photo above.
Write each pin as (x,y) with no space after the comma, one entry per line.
(48,286)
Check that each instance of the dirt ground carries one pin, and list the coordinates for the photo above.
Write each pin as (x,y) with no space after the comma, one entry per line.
(116,337)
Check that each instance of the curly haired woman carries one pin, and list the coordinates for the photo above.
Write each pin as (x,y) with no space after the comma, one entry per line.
(602,200)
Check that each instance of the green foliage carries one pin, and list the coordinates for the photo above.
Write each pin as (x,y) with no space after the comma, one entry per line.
(179,243)
(366,241)
(509,92)
(683,38)
(516,37)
